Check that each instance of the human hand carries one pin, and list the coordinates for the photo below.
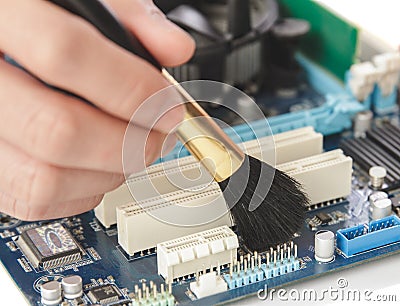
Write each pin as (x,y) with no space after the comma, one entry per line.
(58,155)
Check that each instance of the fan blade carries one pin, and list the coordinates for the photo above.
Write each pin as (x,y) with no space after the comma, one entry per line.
(190,18)
(239,22)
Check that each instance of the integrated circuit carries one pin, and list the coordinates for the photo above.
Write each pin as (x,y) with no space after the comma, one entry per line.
(49,246)
(324,218)
(319,219)
(104,294)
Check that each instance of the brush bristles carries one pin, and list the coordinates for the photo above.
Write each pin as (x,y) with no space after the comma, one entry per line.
(279,200)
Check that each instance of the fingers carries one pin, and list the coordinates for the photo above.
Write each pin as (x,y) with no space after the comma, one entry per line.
(69,53)
(168,43)
(64,131)
(59,155)
(35,182)
(25,211)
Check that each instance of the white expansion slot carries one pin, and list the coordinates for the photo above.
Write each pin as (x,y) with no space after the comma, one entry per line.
(189,254)
(187,173)
(325,176)
(139,228)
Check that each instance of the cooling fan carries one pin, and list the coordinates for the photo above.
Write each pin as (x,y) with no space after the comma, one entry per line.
(238,41)
(229,35)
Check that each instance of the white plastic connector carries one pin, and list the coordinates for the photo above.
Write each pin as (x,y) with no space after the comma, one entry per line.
(172,176)
(105,212)
(363,77)
(324,177)
(296,144)
(208,284)
(139,229)
(388,64)
(187,255)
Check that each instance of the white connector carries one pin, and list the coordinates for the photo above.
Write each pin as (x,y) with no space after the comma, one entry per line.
(105,212)
(208,284)
(140,227)
(296,144)
(187,255)
(388,64)
(363,77)
(187,173)
(325,177)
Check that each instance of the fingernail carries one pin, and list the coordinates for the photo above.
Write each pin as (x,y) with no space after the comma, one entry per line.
(154,11)
(158,15)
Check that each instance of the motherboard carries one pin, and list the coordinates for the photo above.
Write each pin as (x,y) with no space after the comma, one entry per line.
(340,138)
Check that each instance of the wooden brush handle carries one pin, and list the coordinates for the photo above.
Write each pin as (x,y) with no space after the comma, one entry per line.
(198,132)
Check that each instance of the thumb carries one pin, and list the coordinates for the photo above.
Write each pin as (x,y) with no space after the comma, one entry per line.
(167,42)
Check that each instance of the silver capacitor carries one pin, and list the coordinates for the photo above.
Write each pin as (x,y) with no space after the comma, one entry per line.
(51,293)
(377,176)
(381,208)
(324,246)
(362,123)
(377,195)
(72,287)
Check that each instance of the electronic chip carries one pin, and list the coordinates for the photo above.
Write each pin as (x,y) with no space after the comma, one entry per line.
(396,204)
(49,246)
(324,218)
(104,294)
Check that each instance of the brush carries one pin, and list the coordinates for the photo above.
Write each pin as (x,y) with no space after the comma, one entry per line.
(264,216)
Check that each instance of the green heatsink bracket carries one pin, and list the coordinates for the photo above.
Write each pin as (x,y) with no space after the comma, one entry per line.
(332,42)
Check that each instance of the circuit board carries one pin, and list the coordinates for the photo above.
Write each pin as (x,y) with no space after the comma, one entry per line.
(323,129)
(106,263)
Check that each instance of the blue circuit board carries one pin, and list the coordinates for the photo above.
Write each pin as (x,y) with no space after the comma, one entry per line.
(104,262)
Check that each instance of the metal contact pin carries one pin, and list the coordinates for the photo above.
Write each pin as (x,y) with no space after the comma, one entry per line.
(282,255)
(275,258)
(295,251)
(162,289)
(256,256)
(245,266)
(155,291)
(252,264)
(289,254)
(268,259)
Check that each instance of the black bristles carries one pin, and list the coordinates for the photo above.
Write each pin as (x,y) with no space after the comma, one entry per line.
(280,201)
